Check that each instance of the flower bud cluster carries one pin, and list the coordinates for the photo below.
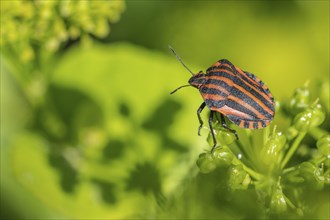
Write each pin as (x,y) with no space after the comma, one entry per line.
(28,25)
(221,157)
(270,165)
(311,117)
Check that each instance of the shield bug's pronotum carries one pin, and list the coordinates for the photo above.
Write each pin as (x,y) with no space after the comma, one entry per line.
(239,95)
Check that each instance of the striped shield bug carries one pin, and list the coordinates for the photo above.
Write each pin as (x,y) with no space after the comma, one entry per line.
(239,95)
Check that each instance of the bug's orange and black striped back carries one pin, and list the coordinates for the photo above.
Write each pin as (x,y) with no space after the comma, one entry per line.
(237,94)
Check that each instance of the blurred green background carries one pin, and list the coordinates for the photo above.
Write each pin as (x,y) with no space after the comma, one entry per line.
(108,141)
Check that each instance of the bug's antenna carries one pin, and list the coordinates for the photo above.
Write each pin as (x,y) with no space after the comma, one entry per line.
(179,88)
(177,56)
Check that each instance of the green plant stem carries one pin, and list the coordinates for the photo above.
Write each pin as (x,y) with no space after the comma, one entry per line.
(317,132)
(288,201)
(293,148)
(252,173)
(319,160)
(289,170)
(266,134)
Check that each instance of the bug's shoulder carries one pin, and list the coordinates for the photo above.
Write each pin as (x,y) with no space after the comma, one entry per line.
(222,68)
(245,74)
(253,80)
(221,64)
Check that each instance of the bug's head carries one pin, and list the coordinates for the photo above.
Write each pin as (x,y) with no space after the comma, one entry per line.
(196,80)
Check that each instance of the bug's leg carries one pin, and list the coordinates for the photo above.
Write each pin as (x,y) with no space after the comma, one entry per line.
(212,131)
(217,117)
(199,110)
(223,123)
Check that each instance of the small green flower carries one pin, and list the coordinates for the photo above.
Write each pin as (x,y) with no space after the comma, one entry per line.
(223,156)
(291,133)
(278,202)
(222,135)
(238,178)
(327,178)
(271,153)
(311,117)
(312,174)
(206,163)
(300,100)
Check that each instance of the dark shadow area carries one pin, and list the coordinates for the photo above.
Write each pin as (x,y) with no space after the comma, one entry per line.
(227,198)
(8,211)
(145,178)
(124,109)
(65,113)
(107,191)
(163,116)
(69,175)
(114,149)
(213,188)
(169,143)
(124,31)
(160,121)
(278,9)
